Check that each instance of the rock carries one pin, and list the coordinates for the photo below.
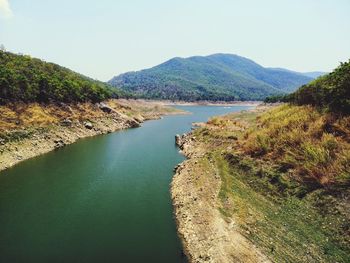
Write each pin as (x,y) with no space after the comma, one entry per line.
(66,122)
(104,107)
(133,123)
(59,143)
(180,140)
(177,139)
(88,125)
(178,168)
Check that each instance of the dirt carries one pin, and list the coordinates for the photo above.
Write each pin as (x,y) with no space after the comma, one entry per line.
(206,235)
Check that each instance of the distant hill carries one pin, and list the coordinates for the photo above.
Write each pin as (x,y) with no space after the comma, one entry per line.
(215,77)
(314,74)
(27,79)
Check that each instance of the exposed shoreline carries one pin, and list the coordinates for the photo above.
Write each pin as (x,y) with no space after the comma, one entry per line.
(45,138)
(205,234)
(204,103)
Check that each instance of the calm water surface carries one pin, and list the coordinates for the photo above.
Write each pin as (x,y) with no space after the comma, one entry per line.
(102,199)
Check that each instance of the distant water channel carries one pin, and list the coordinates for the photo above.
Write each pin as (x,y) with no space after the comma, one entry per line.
(102,199)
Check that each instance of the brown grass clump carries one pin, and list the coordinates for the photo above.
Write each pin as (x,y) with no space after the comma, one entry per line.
(311,145)
(20,115)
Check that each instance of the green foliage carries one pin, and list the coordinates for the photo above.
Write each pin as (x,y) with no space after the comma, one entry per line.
(220,77)
(330,92)
(276,98)
(27,79)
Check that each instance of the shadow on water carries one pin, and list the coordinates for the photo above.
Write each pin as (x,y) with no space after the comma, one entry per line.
(102,199)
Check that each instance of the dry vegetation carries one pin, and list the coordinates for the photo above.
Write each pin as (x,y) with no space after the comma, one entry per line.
(313,145)
(285,180)
(22,115)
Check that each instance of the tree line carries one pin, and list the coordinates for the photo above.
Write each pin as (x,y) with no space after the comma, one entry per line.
(27,79)
(329,92)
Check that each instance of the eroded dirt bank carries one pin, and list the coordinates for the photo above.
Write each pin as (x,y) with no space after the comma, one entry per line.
(27,131)
(206,235)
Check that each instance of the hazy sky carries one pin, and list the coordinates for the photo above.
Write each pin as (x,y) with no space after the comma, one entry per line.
(103,38)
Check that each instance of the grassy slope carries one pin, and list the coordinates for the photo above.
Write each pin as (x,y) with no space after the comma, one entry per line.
(285,180)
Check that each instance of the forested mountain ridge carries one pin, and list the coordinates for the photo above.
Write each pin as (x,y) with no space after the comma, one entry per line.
(214,77)
(27,79)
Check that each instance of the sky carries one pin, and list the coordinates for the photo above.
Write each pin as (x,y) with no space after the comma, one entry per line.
(104,38)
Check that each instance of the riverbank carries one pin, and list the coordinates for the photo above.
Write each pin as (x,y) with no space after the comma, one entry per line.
(29,130)
(236,200)
(205,103)
(195,190)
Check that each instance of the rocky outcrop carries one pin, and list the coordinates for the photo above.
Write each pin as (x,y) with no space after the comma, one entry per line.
(67,122)
(88,125)
(105,108)
(59,143)
(132,123)
(184,140)
(180,140)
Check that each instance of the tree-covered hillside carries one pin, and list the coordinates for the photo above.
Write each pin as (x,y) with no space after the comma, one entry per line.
(214,77)
(27,79)
(329,92)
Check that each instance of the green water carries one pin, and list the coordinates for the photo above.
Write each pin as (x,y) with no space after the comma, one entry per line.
(102,199)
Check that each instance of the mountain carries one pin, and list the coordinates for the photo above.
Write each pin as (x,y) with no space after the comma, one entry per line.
(215,77)
(27,79)
(314,74)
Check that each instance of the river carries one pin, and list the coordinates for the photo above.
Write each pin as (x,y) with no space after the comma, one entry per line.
(101,199)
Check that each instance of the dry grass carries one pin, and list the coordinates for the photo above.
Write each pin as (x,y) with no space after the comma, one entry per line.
(313,146)
(284,180)
(20,115)
(23,116)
